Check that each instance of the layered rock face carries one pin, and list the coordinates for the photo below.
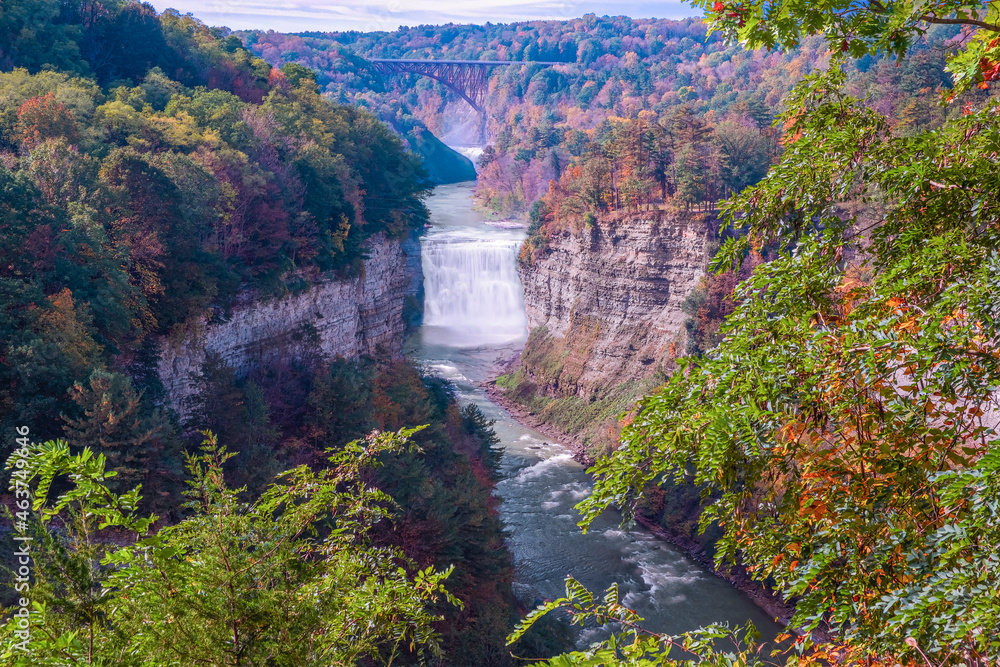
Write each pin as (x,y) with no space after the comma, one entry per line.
(610,299)
(347,317)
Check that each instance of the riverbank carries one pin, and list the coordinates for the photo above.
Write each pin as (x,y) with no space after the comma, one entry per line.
(528,418)
(765,599)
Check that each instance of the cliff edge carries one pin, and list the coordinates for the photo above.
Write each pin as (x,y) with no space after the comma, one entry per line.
(346,317)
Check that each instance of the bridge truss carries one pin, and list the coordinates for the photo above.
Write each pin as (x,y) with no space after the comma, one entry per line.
(469,79)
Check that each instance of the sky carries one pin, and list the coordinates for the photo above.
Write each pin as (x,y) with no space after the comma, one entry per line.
(326,15)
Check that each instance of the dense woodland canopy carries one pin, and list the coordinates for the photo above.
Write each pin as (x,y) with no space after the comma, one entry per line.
(152,170)
(568,123)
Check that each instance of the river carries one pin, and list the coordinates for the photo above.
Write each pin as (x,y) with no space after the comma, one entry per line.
(474,316)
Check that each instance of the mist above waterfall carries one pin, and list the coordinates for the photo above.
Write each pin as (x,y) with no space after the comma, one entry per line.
(459,125)
(471,152)
(472,294)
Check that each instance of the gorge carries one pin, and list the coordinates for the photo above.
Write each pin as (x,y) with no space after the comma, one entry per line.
(303,364)
(622,286)
(474,317)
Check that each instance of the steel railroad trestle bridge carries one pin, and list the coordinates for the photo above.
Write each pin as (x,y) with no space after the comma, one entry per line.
(467,78)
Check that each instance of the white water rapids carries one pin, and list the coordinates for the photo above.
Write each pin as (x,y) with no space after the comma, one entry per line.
(474,315)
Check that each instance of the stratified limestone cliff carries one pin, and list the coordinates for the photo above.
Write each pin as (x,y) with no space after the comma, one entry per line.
(610,296)
(348,317)
(605,309)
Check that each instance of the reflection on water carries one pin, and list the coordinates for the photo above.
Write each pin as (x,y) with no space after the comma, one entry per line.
(541,481)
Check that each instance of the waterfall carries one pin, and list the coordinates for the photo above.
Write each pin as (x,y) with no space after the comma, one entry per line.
(471,152)
(471,287)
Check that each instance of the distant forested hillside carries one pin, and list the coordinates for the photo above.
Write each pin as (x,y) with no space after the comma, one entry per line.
(150,168)
(545,123)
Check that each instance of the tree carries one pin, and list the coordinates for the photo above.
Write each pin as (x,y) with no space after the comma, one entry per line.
(298,75)
(62,351)
(341,403)
(746,152)
(139,448)
(26,41)
(843,422)
(235,409)
(122,40)
(58,170)
(867,28)
(308,589)
(42,118)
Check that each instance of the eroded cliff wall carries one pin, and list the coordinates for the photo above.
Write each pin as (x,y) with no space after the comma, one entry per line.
(610,298)
(346,317)
(605,310)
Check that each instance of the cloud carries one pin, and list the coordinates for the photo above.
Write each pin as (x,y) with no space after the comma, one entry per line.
(324,15)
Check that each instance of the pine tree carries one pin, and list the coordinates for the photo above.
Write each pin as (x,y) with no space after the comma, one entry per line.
(140,448)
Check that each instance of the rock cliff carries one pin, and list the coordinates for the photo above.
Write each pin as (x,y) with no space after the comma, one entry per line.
(609,298)
(347,317)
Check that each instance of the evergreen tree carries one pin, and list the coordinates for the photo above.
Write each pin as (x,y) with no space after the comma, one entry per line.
(140,449)
(235,410)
